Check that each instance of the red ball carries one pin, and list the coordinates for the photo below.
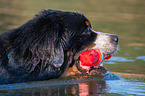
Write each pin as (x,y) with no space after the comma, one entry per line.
(91,58)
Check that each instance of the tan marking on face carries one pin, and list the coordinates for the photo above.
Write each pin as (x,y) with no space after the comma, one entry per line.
(87,23)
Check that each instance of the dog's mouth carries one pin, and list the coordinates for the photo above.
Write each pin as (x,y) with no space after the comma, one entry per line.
(93,69)
(96,67)
(99,69)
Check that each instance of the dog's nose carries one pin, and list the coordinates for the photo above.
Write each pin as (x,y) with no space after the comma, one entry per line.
(114,38)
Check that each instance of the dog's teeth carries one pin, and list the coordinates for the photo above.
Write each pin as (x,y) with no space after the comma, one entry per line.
(101,64)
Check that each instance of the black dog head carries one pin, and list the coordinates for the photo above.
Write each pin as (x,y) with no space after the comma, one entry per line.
(45,46)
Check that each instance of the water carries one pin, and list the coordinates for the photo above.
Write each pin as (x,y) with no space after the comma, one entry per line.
(77,86)
(126,68)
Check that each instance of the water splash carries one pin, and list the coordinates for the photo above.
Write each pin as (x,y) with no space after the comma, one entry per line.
(111,76)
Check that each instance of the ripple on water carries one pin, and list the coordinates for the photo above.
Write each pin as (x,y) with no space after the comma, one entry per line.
(141,57)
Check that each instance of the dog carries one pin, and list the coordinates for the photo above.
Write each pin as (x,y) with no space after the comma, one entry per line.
(45,46)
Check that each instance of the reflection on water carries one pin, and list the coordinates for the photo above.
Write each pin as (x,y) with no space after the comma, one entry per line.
(80,89)
(92,88)
(81,86)
(141,57)
(114,60)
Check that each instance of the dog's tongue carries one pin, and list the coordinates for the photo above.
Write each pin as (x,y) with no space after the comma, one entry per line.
(92,57)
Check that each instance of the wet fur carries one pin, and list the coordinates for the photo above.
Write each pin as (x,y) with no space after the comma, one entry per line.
(43,47)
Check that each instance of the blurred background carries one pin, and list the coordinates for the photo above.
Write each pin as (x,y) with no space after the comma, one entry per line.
(125,18)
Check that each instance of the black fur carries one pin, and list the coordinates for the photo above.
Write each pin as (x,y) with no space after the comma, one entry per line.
(43,47)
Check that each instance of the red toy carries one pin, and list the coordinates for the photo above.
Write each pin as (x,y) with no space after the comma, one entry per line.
(92,57)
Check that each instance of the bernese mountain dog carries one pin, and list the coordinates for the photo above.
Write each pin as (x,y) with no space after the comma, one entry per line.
(49,44)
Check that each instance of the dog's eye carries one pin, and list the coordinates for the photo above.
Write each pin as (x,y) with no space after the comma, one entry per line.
(86,33)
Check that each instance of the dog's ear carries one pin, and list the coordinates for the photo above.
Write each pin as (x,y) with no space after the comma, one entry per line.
(58,58)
